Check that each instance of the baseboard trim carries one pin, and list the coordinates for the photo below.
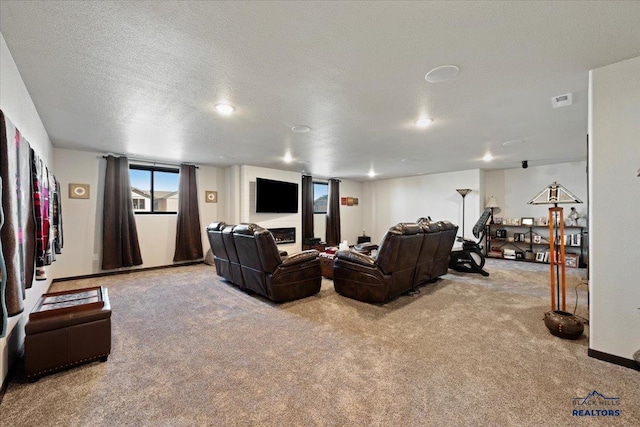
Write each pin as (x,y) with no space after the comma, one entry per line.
(617,360)
(134,270)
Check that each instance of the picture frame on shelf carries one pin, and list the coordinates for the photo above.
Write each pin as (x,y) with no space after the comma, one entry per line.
(537,239)
(542,221)
(571,260)
(501,233)
(526,220)
(497,220)
(539,256)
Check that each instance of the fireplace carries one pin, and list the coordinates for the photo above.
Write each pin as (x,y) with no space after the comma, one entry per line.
(284,235)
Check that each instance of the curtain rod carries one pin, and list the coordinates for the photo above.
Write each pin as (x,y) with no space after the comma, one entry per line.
(152,162)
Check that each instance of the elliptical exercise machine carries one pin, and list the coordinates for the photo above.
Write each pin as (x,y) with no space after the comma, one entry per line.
(470,258)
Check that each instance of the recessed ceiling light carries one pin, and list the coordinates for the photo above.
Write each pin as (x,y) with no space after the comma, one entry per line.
(372,173)
(287,157)
(225,109)
(487,157)
(301,129)
(424,122)
(442,74)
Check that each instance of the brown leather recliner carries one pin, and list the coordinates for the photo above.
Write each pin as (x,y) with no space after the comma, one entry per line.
(264,271)
(220,256)
(448,237)
(425,267)
(389,274)
(232,254)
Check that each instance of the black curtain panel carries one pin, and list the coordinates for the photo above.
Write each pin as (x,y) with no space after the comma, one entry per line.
(333,213)
(307,207)
(120,247)
(188,233)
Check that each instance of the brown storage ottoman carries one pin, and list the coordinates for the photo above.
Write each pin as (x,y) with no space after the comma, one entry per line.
(67,328)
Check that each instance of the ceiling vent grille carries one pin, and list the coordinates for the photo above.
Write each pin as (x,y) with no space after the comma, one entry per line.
(561,100)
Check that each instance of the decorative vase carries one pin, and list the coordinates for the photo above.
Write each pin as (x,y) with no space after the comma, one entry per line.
(563,324)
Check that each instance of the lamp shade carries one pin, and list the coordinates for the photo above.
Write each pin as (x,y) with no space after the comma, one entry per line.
(491,203)
(463,191)
(554,194)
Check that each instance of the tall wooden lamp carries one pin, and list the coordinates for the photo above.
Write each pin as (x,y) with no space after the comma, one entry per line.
(555,194)
(558,321)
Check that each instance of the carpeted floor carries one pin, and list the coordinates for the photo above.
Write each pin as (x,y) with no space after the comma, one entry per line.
(190,349)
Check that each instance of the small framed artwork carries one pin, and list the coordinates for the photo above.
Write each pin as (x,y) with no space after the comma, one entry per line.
(497,220)
(540,256)
(355,201)
(211,196)
(343,201)
(516,222)
(79,191)
(349,201)
(501,233)
(571,260)
(526,220)
(541,221)
(537,239)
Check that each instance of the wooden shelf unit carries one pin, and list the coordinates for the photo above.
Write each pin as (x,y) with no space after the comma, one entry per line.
(576,245)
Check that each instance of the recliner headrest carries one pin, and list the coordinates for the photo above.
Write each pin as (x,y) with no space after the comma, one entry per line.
(430,227)
(228,228)
(216,226)
(446,225)
(246,229)
(406,228)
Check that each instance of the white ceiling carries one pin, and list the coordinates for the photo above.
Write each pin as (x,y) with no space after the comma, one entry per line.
(142,77)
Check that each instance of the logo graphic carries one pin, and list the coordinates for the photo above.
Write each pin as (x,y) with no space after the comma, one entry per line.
(596,404)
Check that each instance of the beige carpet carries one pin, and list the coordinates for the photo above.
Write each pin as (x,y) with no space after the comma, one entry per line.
(189,349)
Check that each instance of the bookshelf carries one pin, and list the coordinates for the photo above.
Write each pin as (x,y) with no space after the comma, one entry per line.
(527,242)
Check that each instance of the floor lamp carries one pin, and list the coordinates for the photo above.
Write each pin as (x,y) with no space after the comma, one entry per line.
(558,321)
(463,192)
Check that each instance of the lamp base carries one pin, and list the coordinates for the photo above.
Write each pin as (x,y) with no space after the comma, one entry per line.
(563,324)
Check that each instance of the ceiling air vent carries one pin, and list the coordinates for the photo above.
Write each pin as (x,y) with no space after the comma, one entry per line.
(561,100)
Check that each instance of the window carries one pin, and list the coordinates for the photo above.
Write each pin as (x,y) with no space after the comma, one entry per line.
(154,189)
(320,197)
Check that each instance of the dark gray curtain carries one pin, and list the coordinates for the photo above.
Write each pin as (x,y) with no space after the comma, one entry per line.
(307,207)
(188,233)
(120,246)
(333,213)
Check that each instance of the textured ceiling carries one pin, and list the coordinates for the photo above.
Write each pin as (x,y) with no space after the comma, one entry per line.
(142,77)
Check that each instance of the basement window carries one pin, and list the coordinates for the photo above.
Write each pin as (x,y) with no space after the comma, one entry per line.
(154,189)
(320,197)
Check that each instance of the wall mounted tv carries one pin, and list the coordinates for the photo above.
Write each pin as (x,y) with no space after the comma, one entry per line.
(276,196)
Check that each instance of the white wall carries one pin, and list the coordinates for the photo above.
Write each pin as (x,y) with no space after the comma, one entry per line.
(614,165)
(248,175)
(388,202)
(83,217)
(513,188)
(18,107)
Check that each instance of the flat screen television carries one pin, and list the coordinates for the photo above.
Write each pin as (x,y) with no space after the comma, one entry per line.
(276,196)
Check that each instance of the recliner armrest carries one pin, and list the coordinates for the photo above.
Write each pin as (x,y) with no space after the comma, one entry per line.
(300,257)
(363,247)
(357,258)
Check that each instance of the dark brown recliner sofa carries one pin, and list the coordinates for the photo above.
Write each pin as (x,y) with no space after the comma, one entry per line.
(251,260)
(408,255)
